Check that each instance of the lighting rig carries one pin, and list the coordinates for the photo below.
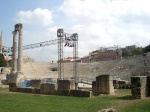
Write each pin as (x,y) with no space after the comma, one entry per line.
(71,40)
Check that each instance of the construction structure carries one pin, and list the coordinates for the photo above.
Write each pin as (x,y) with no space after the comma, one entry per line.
(71,40)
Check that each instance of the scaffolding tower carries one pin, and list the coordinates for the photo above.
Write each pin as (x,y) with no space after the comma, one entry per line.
(71,40)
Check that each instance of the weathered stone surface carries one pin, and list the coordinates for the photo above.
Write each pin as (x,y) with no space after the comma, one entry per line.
(48,89)
(35,83)
(80,93)
(12,87)
(36,90)
(77,93)
(87,94)
(63,92)
(104,85)
(66,84)
(138,86)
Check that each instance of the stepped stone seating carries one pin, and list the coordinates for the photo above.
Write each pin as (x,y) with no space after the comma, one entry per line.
(116,68)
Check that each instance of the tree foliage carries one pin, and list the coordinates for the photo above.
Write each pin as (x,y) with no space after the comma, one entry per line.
(136,51)
(3,62)
(147,49)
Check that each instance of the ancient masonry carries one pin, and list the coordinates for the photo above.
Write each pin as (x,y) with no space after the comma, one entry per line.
(16,75)
(140,86)
(103,85)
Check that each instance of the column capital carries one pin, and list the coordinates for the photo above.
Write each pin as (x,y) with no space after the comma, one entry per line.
(20,31)
(14,32)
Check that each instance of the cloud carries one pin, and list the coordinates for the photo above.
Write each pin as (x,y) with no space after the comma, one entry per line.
(102,23)
(38,16)
(109,22)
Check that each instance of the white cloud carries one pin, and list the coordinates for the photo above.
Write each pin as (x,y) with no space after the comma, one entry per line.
(38,16)
(98,23)
(109,22)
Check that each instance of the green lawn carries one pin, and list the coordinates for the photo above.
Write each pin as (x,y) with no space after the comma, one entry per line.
(21,102)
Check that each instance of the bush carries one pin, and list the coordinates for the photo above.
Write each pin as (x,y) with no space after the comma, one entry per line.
(3,62)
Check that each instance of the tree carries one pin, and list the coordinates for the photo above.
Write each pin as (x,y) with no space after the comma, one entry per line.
(3,62)
(137,51)
(124,53)
(147,49)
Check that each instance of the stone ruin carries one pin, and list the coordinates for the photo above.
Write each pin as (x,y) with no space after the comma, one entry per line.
(140,86)
(121,84)
(62,87)
(103,85)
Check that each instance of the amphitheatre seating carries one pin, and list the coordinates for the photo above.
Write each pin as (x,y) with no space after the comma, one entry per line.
(117,68)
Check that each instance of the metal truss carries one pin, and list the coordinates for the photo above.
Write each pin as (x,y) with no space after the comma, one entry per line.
(60,34)
(71,40)
(32,46)
(75,57)
(41,44)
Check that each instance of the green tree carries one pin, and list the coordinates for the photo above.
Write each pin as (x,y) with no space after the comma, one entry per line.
(137,51)
(124,53)
(147,49)
(3,62)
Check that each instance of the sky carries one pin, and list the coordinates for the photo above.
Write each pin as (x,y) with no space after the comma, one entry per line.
(99,23)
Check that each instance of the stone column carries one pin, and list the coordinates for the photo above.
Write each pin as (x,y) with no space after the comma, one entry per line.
(14,67)
(20,50)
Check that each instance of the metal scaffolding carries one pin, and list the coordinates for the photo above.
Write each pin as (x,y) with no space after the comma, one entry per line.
(60,35)
(71,40)
(75,56)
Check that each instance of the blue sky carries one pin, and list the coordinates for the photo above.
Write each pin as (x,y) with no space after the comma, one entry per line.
(99,23)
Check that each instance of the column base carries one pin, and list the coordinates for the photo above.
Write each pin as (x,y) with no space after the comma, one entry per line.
(16,77)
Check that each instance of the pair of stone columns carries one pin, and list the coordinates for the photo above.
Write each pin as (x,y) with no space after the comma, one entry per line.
(17,66)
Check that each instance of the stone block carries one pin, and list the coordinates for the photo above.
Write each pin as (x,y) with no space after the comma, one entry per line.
(48,89)
(12,87)
(36,91)
(80,93)
(36,83)
(138,86)
(66,84)
(104,85)
(94,89)
(77,93)
(148,86)
(28,90)
(21,90)
(87,94)
(63,92)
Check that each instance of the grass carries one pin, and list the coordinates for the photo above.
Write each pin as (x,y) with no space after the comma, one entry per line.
(21,102)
